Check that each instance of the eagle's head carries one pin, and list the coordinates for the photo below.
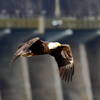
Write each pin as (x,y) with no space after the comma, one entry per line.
(53,45)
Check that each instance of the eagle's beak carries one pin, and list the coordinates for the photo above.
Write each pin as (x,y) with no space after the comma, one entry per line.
(58,44)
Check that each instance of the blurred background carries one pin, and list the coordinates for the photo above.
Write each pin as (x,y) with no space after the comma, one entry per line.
(68,21)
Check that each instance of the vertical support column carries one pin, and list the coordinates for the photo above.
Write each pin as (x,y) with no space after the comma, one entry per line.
(96,78)
(57,80)
(18,85)
(79,88)
(57,8)
(41,24)
(85,72)
(45,79)
(93,49)
(26,80)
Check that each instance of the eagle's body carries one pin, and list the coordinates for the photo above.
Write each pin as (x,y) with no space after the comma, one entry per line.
(61,52)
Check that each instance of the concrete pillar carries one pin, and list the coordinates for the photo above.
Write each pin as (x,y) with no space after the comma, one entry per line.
(14,81)
(57,8)
(26,79)
(41,24)
(85,72)
(45,80)
(18,85)
(78,89)
(93,50)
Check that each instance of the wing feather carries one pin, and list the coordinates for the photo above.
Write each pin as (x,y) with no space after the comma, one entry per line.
(67,70)
(24,47)
(63,56)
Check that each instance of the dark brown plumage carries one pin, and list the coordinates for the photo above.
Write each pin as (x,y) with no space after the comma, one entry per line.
(61,52)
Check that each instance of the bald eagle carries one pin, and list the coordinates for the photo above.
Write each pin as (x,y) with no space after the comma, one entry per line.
(61,52)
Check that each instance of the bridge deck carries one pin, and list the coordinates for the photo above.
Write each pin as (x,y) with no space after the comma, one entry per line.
(67,23)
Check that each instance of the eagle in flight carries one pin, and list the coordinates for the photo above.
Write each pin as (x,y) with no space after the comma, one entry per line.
(61,52)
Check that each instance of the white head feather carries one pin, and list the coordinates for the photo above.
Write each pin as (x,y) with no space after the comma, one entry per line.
(53,45)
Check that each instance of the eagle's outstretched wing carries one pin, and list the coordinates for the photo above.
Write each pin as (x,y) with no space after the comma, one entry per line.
(29,42)
(65,62)
(24,48)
